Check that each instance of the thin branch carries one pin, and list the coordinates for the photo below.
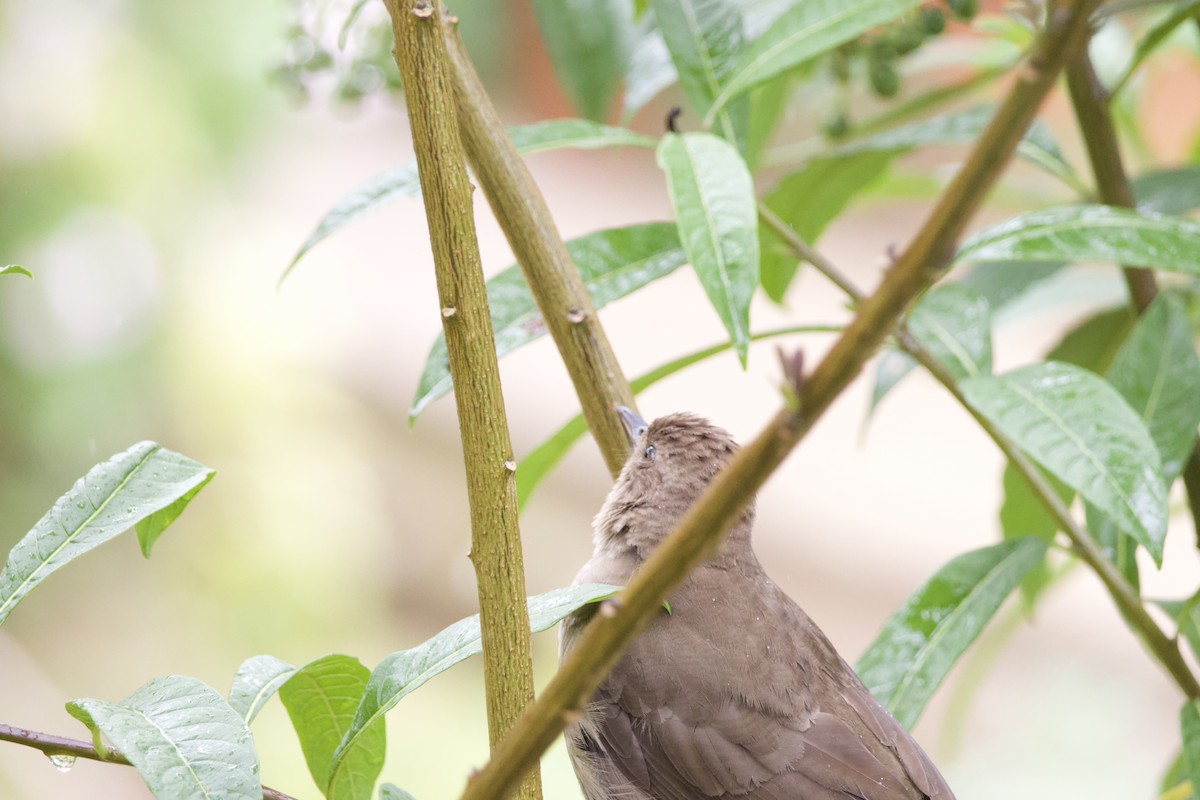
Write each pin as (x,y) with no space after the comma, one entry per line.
(606,637)
(1091,103)
(1164,649)
(553,280)
(53,745)
(487,451)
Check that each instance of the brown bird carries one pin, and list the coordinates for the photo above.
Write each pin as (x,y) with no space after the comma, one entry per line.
(734,692)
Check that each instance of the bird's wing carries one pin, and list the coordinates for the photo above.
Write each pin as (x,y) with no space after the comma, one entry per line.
(735,752)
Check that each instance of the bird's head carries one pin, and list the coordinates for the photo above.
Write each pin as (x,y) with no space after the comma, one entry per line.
(673,459)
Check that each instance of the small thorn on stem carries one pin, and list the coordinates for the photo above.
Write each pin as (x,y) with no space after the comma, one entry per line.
(610,607)
(423,9)
(449,311)
(510,465)
(575,315)
(793,369)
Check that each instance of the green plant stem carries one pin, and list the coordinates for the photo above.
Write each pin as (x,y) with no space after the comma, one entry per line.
(487,451)
(1163,648)
(553,280)
(1091,103)
(53,745)
(603,641)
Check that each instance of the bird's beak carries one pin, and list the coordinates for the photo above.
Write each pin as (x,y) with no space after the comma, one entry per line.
(635,426)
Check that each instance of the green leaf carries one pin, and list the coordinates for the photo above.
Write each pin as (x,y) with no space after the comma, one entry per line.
(716,213)
(808,29)
(612,264)
(1172,191)
(321,699)
(1078,427)
(113,496)
(390,791)
(1023,514)
(351,16)
(1090,233)
(650,70)
(767,105)
(1094,342)
(181,736)
(1189,732)
(175,476)
(403,672)
(705,40)
(808,200)
(588,42)
(1175,774)
(1001,282)
(403,181)
(254,682)
(15,269)
(1157,372)
(921,641)
(1037,146)
(1181,12)
(534,467)
(954,324)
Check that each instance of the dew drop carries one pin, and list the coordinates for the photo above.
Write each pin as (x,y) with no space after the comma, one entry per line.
(62,762)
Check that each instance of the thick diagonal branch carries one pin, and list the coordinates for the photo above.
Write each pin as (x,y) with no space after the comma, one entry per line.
(487,452)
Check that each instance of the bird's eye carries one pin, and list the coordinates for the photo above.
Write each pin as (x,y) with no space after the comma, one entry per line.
(648,454)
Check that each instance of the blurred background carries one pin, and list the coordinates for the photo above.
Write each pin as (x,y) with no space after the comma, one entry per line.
(158,170)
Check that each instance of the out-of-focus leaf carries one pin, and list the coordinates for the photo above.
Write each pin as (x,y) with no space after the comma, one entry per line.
(767,104)
(351,16)
(1094,342)
(1079,428)
(1037,146)
(588,42)
(15,269)
(390,791)
(1175,775)
(808,200)
(1090,233)
(954,324)
(1189,733)
(1022,514)
(612,264)
(705,40)
(255,681)
(1001,282)
(321,699)
(1148,42)
(716,213)
(181,736)
(1186,614)
(534,467)
(1118,547)
(925,637)
(1157,372)
(113,496)
(403,181)
(404,672)
(1172,191)
(808,29)
(650,70)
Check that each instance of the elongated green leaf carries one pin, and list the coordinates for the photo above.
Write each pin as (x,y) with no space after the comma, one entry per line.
(1157,372)
(1172,191)
(534,467)
(113,496)
(808,29)
(405,671)
(389,791)
(1078,427)
(1189,733)
(650,69)
(321,699)
(181,736)
(924,638)
(716,213)
(403,181)
(808,200)
(1037,146)
(15,269)
(612,264)
(954,324)
(1023,514)
(588,41)
(1094,342)
(704,38)
(1181,12)
(171,475)
(1001,282)
(351,16)
(254,682)
(1090,233)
